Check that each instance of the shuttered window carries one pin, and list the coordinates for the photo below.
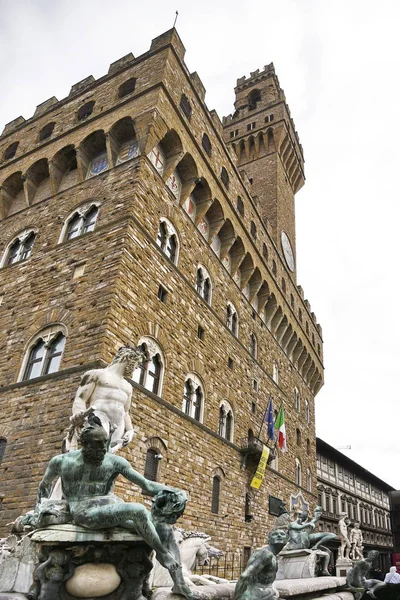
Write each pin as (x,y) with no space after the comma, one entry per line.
(3,444)
(151,465)
(215,495)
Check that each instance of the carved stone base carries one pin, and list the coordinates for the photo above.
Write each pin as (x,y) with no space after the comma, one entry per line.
(109,564)
(298,564)
(343,566)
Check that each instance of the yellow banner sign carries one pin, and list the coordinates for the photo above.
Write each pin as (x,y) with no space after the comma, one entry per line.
(259,474)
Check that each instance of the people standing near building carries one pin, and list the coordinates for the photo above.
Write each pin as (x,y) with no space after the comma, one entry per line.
(392,576)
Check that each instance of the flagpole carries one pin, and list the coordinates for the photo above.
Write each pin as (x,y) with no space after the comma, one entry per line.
(263,420)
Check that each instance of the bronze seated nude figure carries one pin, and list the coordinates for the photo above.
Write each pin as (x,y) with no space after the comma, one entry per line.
(87,478)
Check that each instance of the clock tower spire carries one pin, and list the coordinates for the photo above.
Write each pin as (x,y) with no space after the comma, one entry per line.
(268,149)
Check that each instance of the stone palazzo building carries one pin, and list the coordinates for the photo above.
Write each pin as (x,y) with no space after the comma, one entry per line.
(129,213)
(345,486)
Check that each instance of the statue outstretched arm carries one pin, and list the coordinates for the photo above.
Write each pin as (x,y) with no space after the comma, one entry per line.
(151,487)
(52,471)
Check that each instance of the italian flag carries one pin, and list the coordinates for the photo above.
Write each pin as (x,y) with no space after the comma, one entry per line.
(280,426)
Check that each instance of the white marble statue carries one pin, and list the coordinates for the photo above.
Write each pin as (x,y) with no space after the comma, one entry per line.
(356,540)
(106,393)
(193,549)
(344,548)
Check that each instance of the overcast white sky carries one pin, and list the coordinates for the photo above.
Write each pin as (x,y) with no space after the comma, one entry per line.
(338,62)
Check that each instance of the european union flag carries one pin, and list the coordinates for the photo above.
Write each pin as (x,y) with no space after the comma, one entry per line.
(269,419)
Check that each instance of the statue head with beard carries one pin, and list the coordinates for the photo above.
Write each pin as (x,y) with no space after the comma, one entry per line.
(94,442)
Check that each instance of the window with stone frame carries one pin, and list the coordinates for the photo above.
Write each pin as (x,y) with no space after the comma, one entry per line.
(297,399)
(203,284)
(225,177)
(253,345)
(150,372)
(82,221)
(232,321)
(216,490)
(85,111)
(46,131)
(193,397)
(206,143)
(11,151)
(297,472)
(307,411)
(44,353)
(226,421)
(274,269)
(253,229)
(275,372)
(240,206)
(128,87)
(20,248)
(309,482)
(3,444)
(167,240)
(298,437)
(185,106)
(308,447)
(151,464)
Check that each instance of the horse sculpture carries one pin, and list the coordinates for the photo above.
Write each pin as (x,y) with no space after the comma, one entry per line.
(194,549)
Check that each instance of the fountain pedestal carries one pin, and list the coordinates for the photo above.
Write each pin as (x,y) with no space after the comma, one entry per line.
(109,564)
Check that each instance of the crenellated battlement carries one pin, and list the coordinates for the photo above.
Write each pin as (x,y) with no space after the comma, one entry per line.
(169,38)
(267,71)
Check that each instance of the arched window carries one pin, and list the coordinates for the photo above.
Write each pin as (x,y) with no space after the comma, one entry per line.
(274,269)
(225,177)
(3,444)
(300,316)
(253,345)
(298,437)
(292,300)
(275,372)
(265,251)
(240,206)
(253,98)
(297,472)
(297,400)
(307,410)
(128,87)
(11,151)
(151,464)
(205,142)
(253,229)
(308,447)
(193,397)
(167,240)
(86,110)
(226,421)
(150,373)
(216,490)
(80,222)
(283,285)
(185,106)
(203,284)
(232,321)
(44,353)
(46,131)
(19,249)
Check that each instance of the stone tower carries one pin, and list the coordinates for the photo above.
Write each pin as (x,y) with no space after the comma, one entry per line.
(268,150)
